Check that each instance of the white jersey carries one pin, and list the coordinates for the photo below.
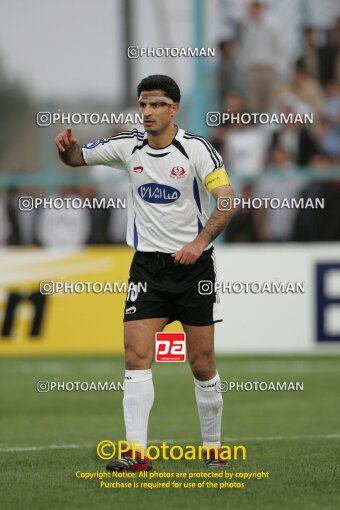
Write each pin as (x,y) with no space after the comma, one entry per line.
(168,202)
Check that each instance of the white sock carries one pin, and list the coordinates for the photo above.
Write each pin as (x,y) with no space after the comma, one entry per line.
(209,404)
(137,404)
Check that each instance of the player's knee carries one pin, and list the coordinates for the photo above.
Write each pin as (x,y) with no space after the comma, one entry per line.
(202,365)
(137,359)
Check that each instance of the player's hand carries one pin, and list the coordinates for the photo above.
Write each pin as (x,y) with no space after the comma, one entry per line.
(65,140)
(189,253)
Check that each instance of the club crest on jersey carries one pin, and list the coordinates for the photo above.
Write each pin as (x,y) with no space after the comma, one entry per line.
(158,193)
(138,169)
(177,172)
(92,145)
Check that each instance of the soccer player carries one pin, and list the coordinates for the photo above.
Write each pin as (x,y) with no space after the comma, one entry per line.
(171,175)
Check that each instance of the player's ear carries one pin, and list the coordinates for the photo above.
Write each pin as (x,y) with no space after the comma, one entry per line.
(174,109)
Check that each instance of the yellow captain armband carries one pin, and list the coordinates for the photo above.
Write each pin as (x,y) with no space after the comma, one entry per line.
(216,179)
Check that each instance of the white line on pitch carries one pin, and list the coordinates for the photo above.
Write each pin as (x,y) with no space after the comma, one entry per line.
(46,447)
(169,441)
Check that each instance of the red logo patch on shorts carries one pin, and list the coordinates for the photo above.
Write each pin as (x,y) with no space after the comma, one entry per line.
(170,347)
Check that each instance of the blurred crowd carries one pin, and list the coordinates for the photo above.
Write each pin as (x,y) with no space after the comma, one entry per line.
(89,222)
(275,57)
(257,75)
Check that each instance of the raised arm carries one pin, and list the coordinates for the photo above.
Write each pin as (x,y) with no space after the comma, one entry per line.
(70,152)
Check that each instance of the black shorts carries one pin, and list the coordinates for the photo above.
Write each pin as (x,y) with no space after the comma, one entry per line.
(160,288)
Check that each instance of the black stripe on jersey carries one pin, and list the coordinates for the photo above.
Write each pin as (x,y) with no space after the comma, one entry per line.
(213,153)
(158,155)
(211,150)
(180,147)
(125,134)
(131,132)
(207,142)
(139,147)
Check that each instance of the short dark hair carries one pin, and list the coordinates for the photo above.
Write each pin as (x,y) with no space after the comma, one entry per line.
(160,82)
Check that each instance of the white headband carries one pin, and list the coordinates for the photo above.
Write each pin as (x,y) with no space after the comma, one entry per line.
(157,99)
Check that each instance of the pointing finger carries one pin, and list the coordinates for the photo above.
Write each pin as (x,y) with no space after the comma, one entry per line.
(58,144)
(66,141)
(72,139)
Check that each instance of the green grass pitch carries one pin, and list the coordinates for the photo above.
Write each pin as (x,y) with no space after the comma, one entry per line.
(293,435)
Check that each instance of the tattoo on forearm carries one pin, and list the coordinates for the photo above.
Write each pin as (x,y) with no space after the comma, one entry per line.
(215,225)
